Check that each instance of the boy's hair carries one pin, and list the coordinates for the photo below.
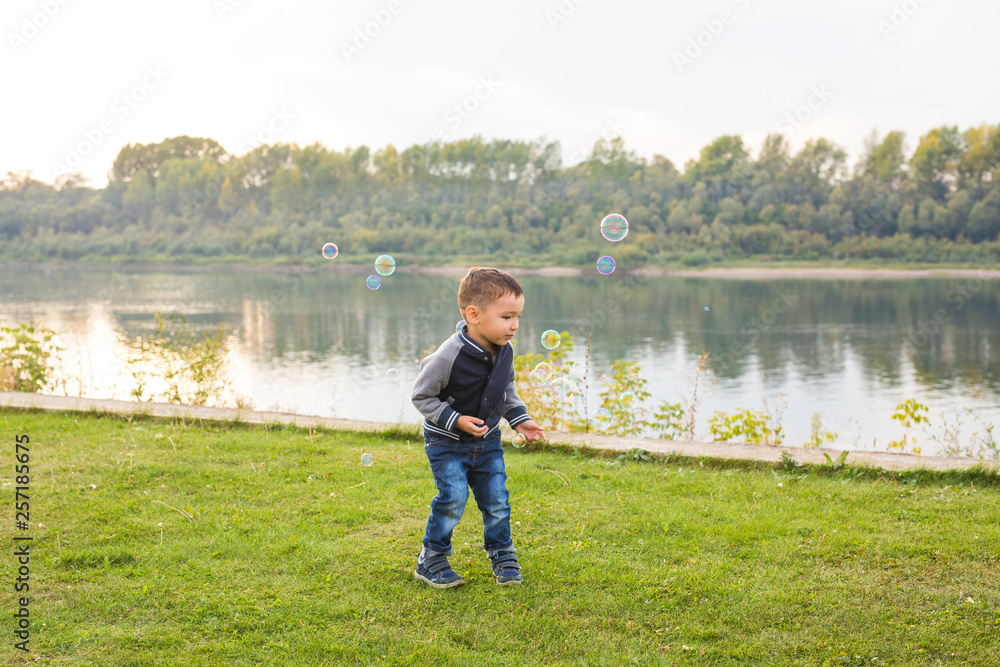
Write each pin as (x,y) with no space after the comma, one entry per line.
(481,286)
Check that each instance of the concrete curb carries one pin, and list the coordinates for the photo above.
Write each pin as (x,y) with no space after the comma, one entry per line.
(885,460)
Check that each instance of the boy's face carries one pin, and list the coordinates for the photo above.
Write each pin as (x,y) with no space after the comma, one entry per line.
(496,324)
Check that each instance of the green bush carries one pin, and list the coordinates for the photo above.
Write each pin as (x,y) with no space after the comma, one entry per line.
(25,358)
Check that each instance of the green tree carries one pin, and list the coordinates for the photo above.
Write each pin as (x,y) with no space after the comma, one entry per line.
(935,162)
(979,167)
(138,200)
(984,219)
(150,157)
(885,160)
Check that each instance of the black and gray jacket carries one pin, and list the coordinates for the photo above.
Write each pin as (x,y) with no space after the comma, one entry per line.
(463,378)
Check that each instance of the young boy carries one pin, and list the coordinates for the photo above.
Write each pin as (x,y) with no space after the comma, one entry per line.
(462,390)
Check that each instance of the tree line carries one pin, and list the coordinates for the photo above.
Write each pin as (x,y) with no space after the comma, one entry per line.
(187,199)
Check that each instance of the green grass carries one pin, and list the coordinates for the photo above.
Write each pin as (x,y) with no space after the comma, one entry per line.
(626,562)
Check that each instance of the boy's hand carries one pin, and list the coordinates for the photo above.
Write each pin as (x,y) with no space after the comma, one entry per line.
(530,430)
(472,425)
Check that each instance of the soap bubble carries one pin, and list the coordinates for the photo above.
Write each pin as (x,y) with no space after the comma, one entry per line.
(551,339)
(458,327)
(606,265)
(579,403)
(518,440)
(575,384)
(330,251)
(614,227)
(392,374)
(602,418)
(537,378)
(366,459)
(706,309)
(546,367)
(561,388)
(385,265)
(627,400)
(373,282)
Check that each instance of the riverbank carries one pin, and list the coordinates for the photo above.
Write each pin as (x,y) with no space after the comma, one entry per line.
(793,271)
(896,461)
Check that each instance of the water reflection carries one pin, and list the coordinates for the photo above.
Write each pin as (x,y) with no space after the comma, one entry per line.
(321,344)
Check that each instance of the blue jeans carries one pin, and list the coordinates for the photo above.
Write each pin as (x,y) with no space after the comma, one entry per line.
(456,466)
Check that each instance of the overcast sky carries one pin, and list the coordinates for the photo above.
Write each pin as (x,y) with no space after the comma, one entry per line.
(669,77)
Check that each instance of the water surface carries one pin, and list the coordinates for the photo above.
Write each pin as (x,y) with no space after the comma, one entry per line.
(321,344)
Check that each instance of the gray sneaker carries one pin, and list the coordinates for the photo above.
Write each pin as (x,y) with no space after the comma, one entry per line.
(506,568)
(436,571)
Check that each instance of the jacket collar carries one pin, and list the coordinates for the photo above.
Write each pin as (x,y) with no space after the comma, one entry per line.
(469,344)
(475,348)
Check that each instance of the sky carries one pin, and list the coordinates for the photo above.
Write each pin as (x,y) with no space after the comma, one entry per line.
(83,79)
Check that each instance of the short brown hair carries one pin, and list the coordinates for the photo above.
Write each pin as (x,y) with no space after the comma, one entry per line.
(481,286)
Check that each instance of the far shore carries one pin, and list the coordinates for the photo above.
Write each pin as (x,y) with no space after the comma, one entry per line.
(721,272)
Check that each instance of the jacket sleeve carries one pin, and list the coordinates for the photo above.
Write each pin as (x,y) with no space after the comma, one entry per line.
(514,410)
(435,370)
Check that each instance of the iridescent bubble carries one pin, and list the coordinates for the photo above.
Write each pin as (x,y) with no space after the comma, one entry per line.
(606,265)
(537,378)
(385,265)
(614,227)
(551,339)
(366,459)
(546,367)
(561,388)
(392,374)
(575,384)
(518,440)
(373,282)
(627,400)
(458,327)
(602,418)
(706,309)
(330,251)
(580,403)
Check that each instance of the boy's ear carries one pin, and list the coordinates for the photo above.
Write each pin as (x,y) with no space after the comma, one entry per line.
(471,315)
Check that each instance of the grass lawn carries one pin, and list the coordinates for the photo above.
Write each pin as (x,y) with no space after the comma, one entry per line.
(296,554)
